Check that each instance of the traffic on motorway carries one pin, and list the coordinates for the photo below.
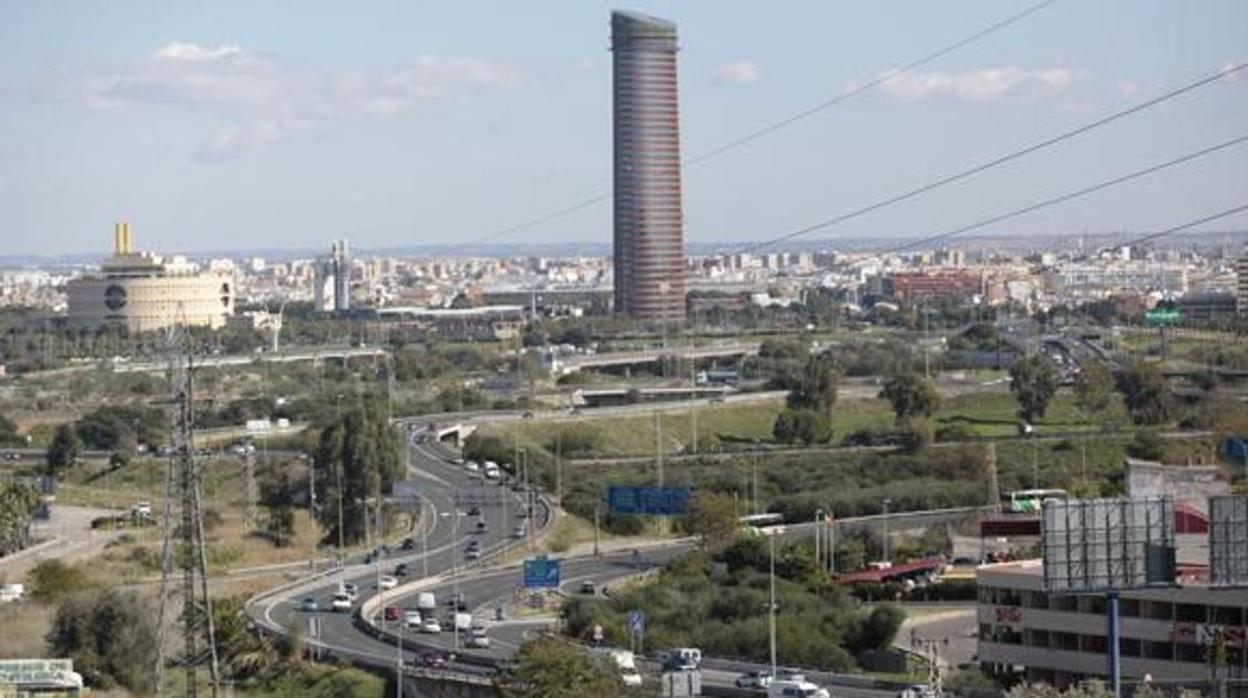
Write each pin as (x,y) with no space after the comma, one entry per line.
(436,602)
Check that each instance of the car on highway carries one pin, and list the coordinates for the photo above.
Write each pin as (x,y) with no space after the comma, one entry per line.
(412,619)
(520,531)
(309,604)
(478,638)
(456,599)
(916,690)
(392,614)
(388,582)
(474,510)
(142,509)
(402,569)
(481,527)
(587,587)
(350,589)
(492,471)
(434,659)
(473,467)
(408,544)
(796,689)
(472,552)
(341,601)
(430,625)
(755,679)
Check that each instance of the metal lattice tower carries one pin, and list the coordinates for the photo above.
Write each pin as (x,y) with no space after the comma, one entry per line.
(182,483)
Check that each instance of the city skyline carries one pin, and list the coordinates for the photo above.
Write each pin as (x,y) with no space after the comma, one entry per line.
(208,137)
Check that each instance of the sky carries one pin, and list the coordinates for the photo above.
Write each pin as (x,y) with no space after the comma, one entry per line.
(245,125)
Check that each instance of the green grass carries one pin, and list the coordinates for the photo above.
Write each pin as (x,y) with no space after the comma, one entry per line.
(980,414)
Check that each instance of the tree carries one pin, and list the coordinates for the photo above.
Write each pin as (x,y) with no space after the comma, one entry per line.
(877,630)
(712,516)
(64,450)
(816,387)
(785,427)
(807,426)
(357,457)
(550,667)
(1034,382)
(241,652)
(279,498)
(910,395)
(18,502)
(1093,389)
(110,636)
(1145,392)
(9,437)
(1146,444)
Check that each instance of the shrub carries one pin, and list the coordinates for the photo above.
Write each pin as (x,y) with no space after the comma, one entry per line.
(52,580)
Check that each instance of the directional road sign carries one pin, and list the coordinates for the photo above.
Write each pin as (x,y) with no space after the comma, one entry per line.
(636,622)
(656,501)
(541,573)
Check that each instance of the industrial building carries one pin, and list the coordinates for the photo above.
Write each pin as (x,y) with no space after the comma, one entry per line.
(143,291)
(649,219)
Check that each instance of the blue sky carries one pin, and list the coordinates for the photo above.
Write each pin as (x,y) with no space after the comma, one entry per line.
(243,125)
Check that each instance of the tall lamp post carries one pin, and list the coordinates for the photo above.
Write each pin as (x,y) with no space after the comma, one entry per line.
(887,501)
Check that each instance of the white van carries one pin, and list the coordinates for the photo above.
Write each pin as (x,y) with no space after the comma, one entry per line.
(796,689)
(625,663)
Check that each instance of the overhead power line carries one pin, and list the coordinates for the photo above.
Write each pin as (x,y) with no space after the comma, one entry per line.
(789,120)
(868,86)
(1190,224)
(996,162)
(1071,195)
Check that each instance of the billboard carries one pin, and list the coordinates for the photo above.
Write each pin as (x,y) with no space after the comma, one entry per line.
(656,501)
(541,573)
(1107,544)
(1228,540)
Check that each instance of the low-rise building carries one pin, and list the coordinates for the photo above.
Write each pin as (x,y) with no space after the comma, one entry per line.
(1060,639)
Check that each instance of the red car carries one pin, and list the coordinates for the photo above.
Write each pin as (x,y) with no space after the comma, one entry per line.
(393,613)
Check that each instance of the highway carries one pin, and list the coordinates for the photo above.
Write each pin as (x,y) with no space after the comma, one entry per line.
(448,529)
(484,586)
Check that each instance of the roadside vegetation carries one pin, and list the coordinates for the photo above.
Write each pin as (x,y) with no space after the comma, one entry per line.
(718,601)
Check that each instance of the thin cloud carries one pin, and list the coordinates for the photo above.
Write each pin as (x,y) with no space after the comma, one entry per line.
(262,100)
(194,53)
(983,85)
(743,72)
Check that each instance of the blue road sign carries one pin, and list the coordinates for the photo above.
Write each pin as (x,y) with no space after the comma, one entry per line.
(541,573)
(656,501)
(406,493)
(636,622)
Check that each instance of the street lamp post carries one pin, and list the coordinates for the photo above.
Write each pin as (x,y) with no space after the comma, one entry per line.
(771,610)
(887,501)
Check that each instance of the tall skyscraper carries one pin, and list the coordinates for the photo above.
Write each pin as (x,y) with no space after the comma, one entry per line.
(649,220)
(332,280)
